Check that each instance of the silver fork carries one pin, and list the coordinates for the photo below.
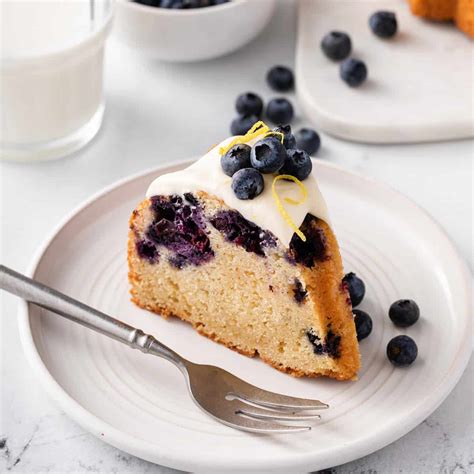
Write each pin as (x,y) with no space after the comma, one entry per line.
(220,394)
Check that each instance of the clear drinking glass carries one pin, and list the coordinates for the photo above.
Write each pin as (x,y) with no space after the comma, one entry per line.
(51,76)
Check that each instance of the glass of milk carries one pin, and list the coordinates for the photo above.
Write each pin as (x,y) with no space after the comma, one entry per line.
(51,76)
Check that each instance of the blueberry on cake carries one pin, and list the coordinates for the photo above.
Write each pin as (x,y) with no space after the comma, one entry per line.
(239,244)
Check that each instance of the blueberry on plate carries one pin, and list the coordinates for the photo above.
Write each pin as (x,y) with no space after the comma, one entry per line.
(268,155)
(280,78)
(249,104)
(404,313)
(356,288)
(289,140)
(247,183)
(353,72)
(308,140)
(280,110)
(402,351)
(336,45)
(235,159)
(363,324)
(241,124)
(383,24)
(297,164)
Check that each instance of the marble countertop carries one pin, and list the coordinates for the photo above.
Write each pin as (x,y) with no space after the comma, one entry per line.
(162,112)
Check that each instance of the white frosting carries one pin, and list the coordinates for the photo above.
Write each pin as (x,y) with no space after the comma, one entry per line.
(206,175)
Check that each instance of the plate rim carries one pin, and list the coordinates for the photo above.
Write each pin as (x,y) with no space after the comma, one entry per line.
(142,449)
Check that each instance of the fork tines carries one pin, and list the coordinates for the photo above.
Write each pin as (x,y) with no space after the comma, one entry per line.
(264,412)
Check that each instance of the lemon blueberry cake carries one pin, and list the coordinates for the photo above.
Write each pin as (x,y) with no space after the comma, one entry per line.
(239,244)
(461,11)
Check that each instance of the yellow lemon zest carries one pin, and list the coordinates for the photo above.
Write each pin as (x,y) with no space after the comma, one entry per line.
(271,133)
(256,126)
(279,204)
(257,129)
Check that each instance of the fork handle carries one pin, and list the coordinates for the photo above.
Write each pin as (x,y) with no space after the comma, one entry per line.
(52,300)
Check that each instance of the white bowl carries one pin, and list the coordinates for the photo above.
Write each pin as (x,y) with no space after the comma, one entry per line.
(191,35)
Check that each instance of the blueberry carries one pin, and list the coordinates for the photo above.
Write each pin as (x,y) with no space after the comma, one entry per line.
(383,24)
(247,183)
(289,140)
(298,164)
(356,288)
(150,3)
(402,351)
(238,230)
(249,104)
(186,4)
(235,159)
(280,110)
(363,324)
(219,2)
(147,250)
(241,124)
(268,155)
(353,72)
(280,78)
(404,313)
(336,45)
(308,140)
(176,4)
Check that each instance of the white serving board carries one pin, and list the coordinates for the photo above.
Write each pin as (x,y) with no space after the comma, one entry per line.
(420,83)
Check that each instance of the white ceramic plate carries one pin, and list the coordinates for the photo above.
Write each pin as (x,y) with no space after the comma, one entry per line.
(139,403)
(419,85)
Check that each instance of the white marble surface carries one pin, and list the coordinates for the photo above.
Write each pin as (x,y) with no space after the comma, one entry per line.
(156,113)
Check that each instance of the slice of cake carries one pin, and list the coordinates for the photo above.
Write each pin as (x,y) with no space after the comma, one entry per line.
(461,11)
(240,245)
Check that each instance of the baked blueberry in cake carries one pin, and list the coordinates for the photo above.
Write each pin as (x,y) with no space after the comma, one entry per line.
(246,253)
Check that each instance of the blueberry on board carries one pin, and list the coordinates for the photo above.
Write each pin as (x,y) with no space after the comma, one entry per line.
(280,110)
(268,155)
(356,288)
(280,78)
(150,3)
(289,140)
(383,24)
(402,351)
(297,164)
(249,104)
(308,140)
(353,72)
(186,4)
(404,313)
(235,159)
(241,124)
(363,324)
(176,4)
(336,45)
(247,183)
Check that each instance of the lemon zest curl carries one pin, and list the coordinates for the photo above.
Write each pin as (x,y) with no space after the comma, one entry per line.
(279,204)
(258,128)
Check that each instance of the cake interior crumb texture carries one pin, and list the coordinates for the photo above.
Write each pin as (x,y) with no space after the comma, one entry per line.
(194,258)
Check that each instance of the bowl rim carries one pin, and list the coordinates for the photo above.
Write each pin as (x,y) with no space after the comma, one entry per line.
(177,12)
